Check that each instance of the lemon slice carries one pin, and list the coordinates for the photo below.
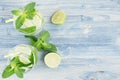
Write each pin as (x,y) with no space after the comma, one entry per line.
(59,17)
(52,60)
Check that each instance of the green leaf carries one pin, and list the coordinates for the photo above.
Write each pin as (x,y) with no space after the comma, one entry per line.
(46,45)
(44,36)
(35,55)
(31,14)
(31,58)
(19,22)
(33,39)
(28,30)
(49,46)
(53,47)
(20,64)
(14,62)
(22,70)
(19,72)
(8,71)
(38,44)
(16,12)
(29,7)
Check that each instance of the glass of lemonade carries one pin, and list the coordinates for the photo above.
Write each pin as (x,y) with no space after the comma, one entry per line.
(27,55)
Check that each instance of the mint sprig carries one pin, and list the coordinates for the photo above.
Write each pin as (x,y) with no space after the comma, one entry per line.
(41,42)
(15,67)
(28,12)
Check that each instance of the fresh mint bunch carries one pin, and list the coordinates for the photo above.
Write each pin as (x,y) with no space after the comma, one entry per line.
(41,42)
(28,12)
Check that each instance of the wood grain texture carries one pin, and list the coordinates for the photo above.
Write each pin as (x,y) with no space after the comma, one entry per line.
(82,54)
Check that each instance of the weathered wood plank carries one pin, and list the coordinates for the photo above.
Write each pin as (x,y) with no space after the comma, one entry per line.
(99,50)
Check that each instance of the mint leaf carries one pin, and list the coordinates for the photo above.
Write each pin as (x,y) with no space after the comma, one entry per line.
(16,12)
(53,47)
(46,45)
(31,14)
(15,62)
(33,39)
(20,64)
(31,58)
(41,43)
(49,46)
(29,7)
(8,71)
(28,30)
(19,72)
(38,44)
(35,55)
(19,22)
(44,36)
(22,70)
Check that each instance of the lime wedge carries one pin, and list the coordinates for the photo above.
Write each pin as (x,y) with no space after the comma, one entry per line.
(52,60)
(59,17)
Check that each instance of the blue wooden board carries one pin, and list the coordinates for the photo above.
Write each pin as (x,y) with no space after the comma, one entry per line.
(89,41)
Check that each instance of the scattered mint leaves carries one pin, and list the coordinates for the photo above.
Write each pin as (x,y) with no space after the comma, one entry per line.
(40,42)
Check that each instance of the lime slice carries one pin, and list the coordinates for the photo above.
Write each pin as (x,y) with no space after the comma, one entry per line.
(24,59)
(52,60)
(59,17)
